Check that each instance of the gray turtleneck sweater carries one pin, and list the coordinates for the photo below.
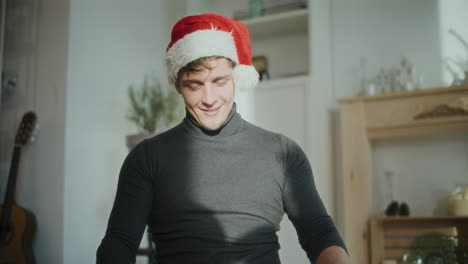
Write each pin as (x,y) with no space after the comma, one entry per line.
(215,197)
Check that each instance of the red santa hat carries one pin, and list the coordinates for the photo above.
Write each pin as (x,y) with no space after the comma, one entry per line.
(208,35)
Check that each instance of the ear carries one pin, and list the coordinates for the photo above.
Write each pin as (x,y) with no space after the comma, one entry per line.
(177,87)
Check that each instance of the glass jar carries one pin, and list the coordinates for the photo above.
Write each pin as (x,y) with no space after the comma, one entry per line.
(256,8)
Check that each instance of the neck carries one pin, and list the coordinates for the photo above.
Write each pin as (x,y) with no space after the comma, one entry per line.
(232,125)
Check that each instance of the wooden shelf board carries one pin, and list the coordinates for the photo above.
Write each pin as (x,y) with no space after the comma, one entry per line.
(281,82)
(403,94)
(421,129)
(421,219)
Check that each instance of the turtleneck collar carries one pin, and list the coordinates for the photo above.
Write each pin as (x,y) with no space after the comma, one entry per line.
(232,125)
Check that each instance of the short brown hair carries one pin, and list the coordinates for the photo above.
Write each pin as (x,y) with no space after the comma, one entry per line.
(199,65)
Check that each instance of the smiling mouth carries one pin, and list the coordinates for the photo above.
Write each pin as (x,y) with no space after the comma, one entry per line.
(211,112)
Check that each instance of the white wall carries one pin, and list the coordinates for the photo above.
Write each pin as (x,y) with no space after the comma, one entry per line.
(78,72)
(112,45)
(321,99)
(373,34)
(36,44)
(452,15)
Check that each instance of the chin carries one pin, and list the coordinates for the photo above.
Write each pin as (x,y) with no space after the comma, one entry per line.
(211,126)
(213,123)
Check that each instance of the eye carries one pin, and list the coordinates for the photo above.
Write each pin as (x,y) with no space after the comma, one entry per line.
(221,82)
(192,86)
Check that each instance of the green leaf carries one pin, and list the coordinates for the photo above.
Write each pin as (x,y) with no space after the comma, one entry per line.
(151,106)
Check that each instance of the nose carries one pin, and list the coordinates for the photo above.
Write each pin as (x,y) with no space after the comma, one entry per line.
(209,95)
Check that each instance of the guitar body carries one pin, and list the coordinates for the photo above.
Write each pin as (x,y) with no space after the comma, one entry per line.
(17,225)
(17,249)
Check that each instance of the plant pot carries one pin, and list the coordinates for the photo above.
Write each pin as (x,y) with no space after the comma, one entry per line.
(134,139)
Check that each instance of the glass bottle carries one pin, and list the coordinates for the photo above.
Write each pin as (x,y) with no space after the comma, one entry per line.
(256,8)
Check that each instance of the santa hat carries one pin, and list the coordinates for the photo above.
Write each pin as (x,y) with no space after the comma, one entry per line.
(208,35)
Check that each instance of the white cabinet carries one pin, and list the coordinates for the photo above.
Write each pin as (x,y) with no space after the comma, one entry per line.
(277,105)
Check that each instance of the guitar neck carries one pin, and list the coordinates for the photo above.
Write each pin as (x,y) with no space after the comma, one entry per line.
(10,191)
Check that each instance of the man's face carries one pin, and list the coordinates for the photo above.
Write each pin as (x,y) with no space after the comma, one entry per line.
(209,94)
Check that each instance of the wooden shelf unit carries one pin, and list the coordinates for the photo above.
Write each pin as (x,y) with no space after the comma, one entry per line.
(363,119)
(391,237)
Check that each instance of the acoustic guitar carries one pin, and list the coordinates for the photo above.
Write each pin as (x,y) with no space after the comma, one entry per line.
(17,225)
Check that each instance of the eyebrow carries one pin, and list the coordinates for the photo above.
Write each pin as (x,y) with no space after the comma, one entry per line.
(222,77)
(185,82)
(190,81)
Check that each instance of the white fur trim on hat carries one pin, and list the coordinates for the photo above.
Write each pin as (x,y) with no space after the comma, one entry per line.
(245,77)
(198,44)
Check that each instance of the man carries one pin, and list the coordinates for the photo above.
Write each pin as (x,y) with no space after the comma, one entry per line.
(215,188)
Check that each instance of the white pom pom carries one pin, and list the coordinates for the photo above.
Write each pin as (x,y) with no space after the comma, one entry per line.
(245,77)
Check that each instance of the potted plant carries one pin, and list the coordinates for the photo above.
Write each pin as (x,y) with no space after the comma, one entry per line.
(461,63)
(151,107)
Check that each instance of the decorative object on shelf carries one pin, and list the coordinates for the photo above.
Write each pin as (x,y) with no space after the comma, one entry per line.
(151,106)
(269,8)
(462,64)
(392,209)
(404,81)
(456,79)
(371,89)
(256,8)
(395,79)
(457,201)
(279,6)
(460,207)
(432,248)
(442,110)
(461,102)
(403,209)
(261,65)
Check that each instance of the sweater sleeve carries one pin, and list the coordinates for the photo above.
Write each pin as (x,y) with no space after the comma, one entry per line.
(303,205)
(130,212)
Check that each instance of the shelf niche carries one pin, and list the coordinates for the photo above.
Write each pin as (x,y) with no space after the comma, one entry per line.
(289,22)
(284,39)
